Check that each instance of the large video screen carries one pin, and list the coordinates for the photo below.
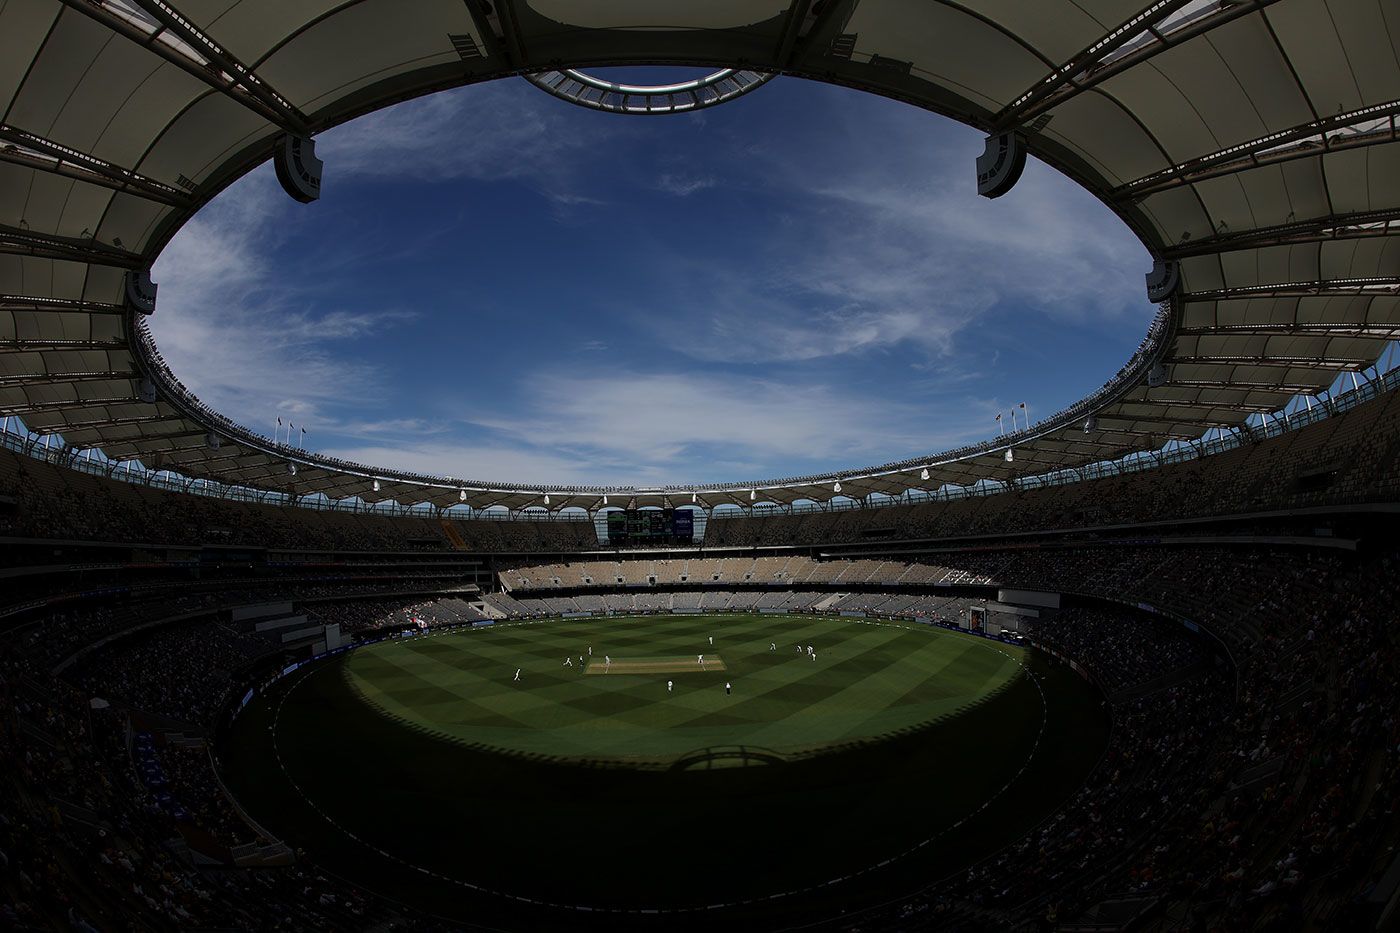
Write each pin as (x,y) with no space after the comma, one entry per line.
(651,526)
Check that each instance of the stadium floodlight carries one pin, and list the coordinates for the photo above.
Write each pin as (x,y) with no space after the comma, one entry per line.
(605,500)
(694,498)
(1009,455)
(923,474)
(752,495)
(837,487)
(375,485)
(546,498)
(292,468)
(461,495)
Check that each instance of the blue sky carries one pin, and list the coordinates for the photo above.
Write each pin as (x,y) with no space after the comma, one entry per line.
(499,286)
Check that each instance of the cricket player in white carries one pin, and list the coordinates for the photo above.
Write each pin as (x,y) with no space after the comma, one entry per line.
(669,685)
(712,639)
(517,674)
(700,659)
(568,662)
(772,646)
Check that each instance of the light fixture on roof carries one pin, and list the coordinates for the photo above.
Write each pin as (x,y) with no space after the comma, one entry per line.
(140,291)
(1009,455)
(375,485)
(923,474)
(694,497)
(1163,280)
(292,468)
(752,495)
(546,498)
(605,500)
(211,440)
(298,169)
(837,487)
(1091,424)
(461,495)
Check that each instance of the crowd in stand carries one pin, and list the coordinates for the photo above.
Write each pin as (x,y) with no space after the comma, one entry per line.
(55,503)
(1242,795)
(182,672)
(1124,650)
(1343,459)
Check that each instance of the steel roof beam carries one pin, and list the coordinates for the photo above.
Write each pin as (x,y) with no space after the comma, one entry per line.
(1204,406)
(28,149)
(44,346)
(1272,149)
(1148,419)
(1371,285)
(1288,328)
(29,303)
(56,406)
(79,426)
(169,34)
(43,380)
(1358,225)
(1089,69)
(1277,387)
(22,242)
(1278,362)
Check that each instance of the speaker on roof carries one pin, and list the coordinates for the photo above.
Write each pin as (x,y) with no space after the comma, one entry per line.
(1156,376)
(140,291)
(147,392)
(298,169)
(1163,280)
(1000,165)
(1091,424)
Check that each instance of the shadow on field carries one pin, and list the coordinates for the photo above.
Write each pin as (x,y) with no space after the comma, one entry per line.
(615,838)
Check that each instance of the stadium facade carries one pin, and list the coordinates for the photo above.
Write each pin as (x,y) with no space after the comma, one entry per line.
(1201,554)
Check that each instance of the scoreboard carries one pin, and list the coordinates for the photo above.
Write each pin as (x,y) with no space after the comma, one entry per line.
(651,526)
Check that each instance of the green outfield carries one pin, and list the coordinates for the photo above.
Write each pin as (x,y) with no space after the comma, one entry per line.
(422,768)
(861,680)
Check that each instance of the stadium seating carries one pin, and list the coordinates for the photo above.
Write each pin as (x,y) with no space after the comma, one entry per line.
(1299,708)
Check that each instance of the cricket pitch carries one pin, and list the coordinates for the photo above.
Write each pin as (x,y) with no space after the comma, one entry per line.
(673,665)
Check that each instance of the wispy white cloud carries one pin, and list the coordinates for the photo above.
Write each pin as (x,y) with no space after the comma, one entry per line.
(249,347)
(683,184)
(486,132)
(645,428)
(869,253)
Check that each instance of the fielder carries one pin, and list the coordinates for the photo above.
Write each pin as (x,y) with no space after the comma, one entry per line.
(669,685)
(517,674)
(568,662)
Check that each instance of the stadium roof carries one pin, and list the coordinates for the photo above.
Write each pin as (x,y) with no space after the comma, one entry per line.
(1251,144)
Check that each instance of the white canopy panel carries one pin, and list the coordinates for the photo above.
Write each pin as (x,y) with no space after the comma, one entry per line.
(1252,143)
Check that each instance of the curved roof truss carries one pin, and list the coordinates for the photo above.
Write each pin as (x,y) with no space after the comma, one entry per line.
(1251,144)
